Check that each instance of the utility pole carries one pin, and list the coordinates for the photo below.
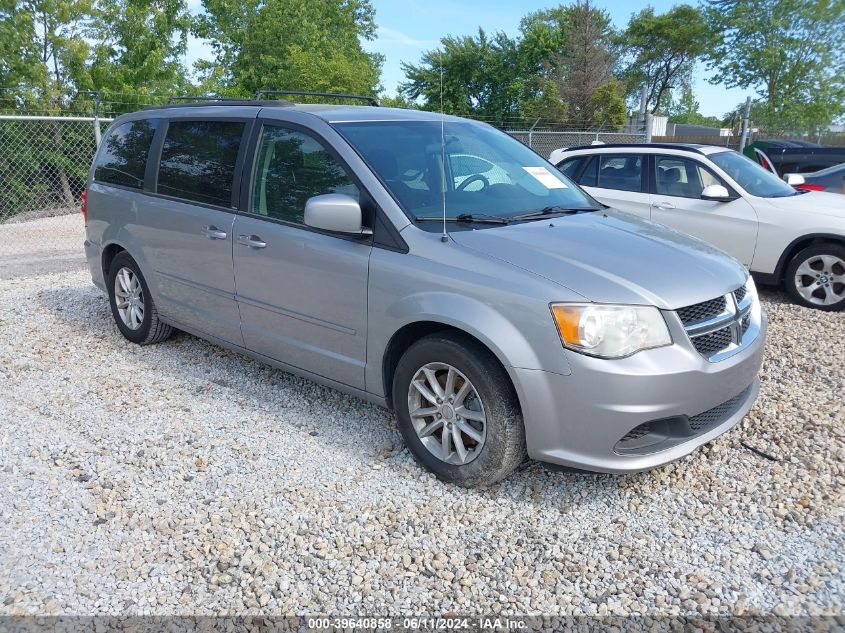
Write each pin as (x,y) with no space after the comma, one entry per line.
(643,105)
(744,138)
(531,133)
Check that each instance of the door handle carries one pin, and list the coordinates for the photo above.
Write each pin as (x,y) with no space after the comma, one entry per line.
(664,205)
(253,241)
(213,233)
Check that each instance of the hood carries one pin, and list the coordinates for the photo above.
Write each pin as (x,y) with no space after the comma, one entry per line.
(820,202)
(613,257)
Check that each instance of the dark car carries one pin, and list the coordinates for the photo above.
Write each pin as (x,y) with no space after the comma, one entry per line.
(794,157)
(831,179)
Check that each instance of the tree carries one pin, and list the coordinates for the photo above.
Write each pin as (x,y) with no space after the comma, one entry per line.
(399,101)
(567,53)
(138,48)
(19,54)
(606,107)
(663,50)
(791,51)
(57,30)
(481,77)
(541,100)
(289,44)
(588,59)
(539,48)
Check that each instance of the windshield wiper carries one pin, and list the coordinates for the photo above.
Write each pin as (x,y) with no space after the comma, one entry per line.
(553,210)
(482,218)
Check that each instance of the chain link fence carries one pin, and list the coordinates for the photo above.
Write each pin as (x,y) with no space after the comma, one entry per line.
(544,142)
(43,165)
(44,162)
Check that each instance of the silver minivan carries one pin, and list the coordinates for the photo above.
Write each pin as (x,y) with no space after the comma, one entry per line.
(430,264)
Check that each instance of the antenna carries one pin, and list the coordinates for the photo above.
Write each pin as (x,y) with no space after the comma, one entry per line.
(445,236)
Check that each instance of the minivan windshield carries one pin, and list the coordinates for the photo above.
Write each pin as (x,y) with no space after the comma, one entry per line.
(752,177)
(487,176)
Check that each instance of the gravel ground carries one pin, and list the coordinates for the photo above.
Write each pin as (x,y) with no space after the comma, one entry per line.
(185,479)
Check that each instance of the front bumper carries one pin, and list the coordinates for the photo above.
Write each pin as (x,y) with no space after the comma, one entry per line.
(578,420)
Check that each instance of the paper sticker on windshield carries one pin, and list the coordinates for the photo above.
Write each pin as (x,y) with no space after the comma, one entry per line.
(545,177)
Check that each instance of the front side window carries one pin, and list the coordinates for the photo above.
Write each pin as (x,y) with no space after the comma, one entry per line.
(123,158)
(485,172)
(292,167)
(198,161)
(682,177)
(623,172)
(751,176)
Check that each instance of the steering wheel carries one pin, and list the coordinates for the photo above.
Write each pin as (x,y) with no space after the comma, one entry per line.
(475,177)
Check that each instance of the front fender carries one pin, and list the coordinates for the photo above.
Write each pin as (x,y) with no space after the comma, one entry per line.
(525,339)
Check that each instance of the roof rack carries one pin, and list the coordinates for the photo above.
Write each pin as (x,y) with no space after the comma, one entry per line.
(303,93)
(690,147)
(172,99)
(193,102)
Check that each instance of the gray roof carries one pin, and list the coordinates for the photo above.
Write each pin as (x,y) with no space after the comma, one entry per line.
(333,113)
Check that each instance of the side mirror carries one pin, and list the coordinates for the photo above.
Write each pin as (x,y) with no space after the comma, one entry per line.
(793,180)
(716,193)
(335,212)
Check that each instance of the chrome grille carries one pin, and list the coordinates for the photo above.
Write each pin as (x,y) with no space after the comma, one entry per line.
(746,322)
(717,327)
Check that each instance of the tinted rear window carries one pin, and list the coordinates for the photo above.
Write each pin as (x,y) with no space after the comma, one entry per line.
(123,158)
(198,160)
(570,166)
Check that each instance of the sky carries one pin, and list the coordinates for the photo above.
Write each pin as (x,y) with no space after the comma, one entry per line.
(406,28)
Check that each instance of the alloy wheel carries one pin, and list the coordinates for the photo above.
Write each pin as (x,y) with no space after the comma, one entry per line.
(447,413)
(820,279)
(129,298)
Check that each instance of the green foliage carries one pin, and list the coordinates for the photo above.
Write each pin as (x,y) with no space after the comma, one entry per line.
(574,47)
(480,77)
(289,44)
(43,164)
(139,47)
(399,101)
(606,107)
(791,51)
(542,101)
(551,71)
(19,53)
(56,30)
(663,50)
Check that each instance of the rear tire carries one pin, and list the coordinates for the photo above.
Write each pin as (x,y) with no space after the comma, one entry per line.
(815,277)
(458,411)
(132,305)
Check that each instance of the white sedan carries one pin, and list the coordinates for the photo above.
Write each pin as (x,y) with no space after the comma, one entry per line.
(784,236)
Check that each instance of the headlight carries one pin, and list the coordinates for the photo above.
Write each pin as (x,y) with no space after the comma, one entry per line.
(609,331)
(751,291)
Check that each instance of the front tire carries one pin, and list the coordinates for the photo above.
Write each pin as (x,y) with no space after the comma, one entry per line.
(815,277)
(132,305)
(458,411)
